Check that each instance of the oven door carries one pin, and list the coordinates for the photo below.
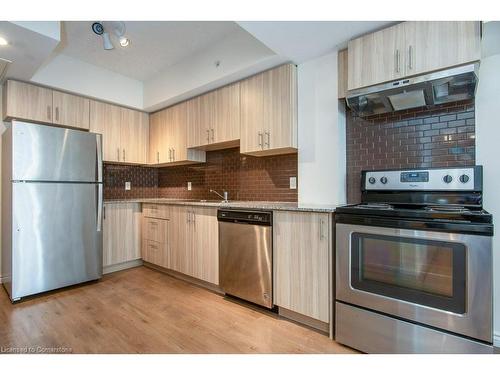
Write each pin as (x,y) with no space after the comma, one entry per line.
(438,279)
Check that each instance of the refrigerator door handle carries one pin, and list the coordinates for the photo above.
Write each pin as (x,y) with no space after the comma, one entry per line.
(99,207)
(99,157)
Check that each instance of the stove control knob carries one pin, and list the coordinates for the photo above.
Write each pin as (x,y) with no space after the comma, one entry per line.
(464,179)
(383,180)
(447,178)
(372,180)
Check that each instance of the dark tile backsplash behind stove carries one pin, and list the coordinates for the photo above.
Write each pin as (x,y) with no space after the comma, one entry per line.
(438,136)
(243,177)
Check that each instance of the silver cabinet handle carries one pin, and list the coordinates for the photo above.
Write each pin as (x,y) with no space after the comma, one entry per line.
(57,113)
(173,154)
(268,139)
(158,157)
(396,64)
(49,112)
(194,217)
(169,154)
(212,134)
(187,217)
(260,140)
(118,153)
(123,154)
(208,135)
(410,57)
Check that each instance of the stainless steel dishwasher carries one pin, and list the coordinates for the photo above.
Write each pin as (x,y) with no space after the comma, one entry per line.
(246,255)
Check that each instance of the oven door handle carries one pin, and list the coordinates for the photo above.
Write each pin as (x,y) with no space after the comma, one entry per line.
(484,229)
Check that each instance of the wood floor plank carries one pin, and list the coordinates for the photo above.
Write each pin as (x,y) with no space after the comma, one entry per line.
(141,310)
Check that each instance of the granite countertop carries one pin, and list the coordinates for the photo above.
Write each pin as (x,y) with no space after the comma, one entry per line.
(255,205)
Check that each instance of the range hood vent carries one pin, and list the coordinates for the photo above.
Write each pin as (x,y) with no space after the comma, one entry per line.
(426,90)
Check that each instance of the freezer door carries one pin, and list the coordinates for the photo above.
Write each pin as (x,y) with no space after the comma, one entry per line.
(47,153)
(57,239)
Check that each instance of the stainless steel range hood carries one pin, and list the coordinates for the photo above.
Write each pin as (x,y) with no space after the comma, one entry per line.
(430,89)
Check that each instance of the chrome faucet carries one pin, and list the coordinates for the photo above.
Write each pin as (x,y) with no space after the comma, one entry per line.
(225,200)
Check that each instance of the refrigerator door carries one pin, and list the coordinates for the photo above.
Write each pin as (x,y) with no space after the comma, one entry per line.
(57,236)
(47,153)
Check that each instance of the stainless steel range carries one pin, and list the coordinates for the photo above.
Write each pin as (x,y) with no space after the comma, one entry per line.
(414,264)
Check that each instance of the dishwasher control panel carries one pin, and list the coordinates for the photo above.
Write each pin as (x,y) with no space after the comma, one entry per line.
(254,217)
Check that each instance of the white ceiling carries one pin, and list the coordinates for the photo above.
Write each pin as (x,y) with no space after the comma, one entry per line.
(29,47)
(303,40)
(154,46)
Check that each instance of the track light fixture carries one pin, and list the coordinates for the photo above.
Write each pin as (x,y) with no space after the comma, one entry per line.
(118,29)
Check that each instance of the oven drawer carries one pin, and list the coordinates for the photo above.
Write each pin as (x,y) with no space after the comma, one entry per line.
(439,279)
(380,334)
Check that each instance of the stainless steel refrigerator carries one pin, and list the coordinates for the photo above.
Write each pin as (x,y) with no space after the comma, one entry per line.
(52,199)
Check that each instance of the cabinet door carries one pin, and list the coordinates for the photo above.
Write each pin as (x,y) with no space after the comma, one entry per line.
(134,136)
(205,251)
(105,119)
(301,263)
(226,123)
(178,131)
(27,102)
(121,233)
(196,137)
(377,57)
(71,110)
(252,114)
(154,137)
(179,243)
(280,108)
(434,45)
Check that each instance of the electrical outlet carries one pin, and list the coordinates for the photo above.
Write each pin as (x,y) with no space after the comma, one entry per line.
(127,185)
(189,186)
(293,183)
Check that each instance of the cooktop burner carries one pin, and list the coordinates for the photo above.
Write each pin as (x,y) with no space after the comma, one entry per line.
(376,206)
(446,209)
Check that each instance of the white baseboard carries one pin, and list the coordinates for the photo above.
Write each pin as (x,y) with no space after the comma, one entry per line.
(496,339)
(122,266)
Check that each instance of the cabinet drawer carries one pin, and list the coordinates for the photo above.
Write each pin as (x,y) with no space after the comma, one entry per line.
(154,252)
(158,211)
(154,229)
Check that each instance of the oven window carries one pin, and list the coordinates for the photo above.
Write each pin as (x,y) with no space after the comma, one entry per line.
(422,271)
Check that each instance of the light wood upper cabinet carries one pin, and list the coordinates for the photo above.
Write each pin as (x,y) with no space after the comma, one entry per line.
(411,48)
(302,248)
(125,132)
(214,118)
(121,233)
(71,110)
(433,45)
(342,73)
(169,138)
(269,112)
(23,101)
(105,119)
(134,136)
(376,57)
(226,123)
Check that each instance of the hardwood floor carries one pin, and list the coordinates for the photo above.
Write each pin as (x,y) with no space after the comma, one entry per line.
(144,311)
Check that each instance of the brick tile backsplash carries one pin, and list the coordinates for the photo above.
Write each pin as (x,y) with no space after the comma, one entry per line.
(438,136)
(243,177)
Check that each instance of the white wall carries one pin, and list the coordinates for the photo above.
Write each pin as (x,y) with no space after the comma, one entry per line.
(487,145)
(76,76)
(321,134)
(2,128)
(198,74)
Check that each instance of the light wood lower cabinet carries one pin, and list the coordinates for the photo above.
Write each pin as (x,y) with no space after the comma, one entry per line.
(302,248)
(121,233)
(187,242)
